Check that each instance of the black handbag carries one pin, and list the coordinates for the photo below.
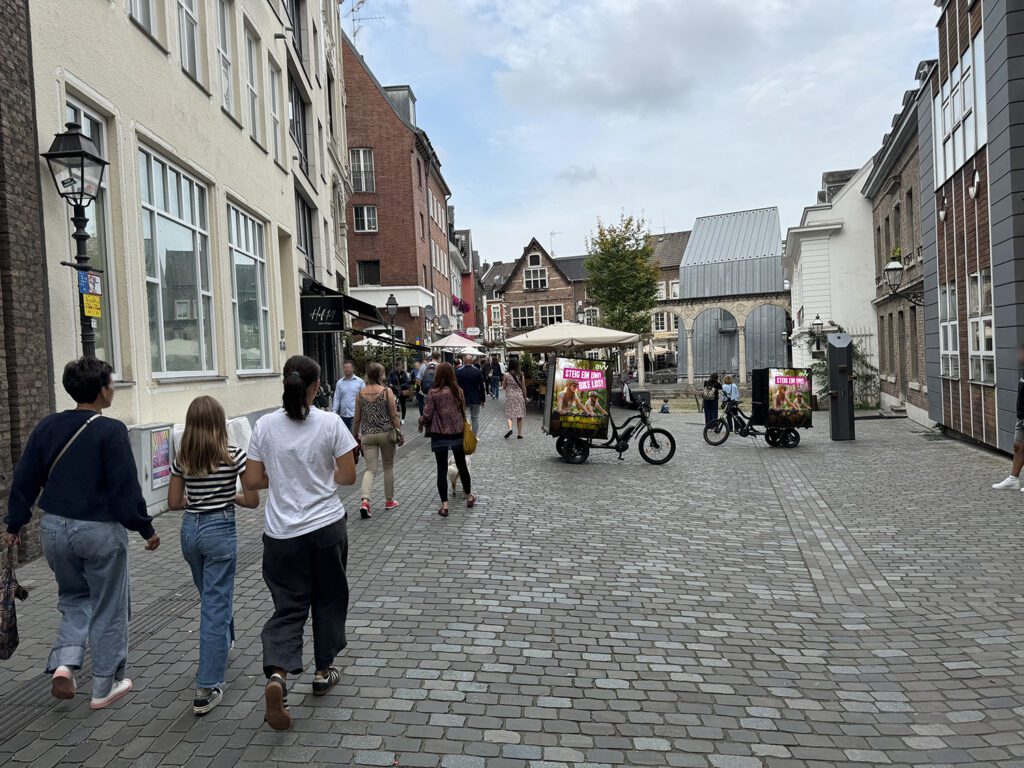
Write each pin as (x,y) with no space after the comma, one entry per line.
(10,590)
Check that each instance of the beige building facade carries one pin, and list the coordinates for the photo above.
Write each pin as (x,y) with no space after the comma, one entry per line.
(223,123)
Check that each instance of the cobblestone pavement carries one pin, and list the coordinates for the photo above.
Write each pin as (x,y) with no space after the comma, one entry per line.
(842,604)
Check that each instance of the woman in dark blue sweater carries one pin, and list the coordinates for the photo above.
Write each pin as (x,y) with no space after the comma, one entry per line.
(82,464)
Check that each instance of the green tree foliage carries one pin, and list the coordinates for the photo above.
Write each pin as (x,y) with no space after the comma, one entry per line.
(622,278)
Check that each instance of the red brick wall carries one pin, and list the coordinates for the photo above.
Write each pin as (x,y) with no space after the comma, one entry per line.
(559,291)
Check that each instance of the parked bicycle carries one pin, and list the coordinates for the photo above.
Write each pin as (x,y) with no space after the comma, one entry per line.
(657,446)
(733,419)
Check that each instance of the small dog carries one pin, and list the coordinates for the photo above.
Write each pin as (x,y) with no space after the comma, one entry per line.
(453,472)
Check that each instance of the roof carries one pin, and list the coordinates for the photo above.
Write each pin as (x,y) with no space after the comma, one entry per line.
(497,273)
(734,237)
(669,248)
(573,267)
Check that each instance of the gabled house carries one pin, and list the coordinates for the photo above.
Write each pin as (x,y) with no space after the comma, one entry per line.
(541,290)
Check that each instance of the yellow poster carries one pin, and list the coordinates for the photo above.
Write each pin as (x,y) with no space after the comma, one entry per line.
(91,302)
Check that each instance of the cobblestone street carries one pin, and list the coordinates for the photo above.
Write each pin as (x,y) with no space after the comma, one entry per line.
(841,604)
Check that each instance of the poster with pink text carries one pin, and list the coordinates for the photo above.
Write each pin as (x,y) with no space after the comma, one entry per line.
(578,404)
(789,398)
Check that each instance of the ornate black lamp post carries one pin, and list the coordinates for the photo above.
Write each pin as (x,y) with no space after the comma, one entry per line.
(817,327)
(77,169)
(893,272)
(392,307)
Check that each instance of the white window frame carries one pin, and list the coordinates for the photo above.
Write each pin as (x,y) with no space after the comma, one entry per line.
(949,339)
(496,313)
(533,260)
(369,217)
(275,111)
(535,279)
(662,291)
(225,35)
(252,84)
(658,322)
(188,22)
(551,314)
(960,114)
(201,235)
(363,176)
(246,239)
(674,289)
(981,327)
(138,9)
(591,315)
(523,317)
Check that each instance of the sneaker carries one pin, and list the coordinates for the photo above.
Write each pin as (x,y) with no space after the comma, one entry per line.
(206,699)
(62,685)
(275,697)
(121,687)
(1009,484)
(324,681)
(391,504)
(364,510)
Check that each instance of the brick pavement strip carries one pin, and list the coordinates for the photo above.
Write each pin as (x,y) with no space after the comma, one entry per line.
(842,604)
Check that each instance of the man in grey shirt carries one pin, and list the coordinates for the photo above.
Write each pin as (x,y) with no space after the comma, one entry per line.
(345,392)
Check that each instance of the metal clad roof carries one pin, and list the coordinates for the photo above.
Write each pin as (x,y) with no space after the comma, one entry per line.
(573,267)
(733,254)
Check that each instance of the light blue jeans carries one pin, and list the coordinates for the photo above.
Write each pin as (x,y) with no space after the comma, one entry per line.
(90,563)
(210,547)
(474,417)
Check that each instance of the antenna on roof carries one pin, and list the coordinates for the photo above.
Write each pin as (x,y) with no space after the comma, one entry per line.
(357,19)
(551,243)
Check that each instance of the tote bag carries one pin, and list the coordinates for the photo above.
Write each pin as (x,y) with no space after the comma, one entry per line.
(9,590)
(468,439)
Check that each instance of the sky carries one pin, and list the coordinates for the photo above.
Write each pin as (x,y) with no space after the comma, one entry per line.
(548,115)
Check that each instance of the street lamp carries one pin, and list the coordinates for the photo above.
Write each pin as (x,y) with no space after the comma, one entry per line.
(817,327)
(893,272)
(581,316)
(77,169)
(392,307)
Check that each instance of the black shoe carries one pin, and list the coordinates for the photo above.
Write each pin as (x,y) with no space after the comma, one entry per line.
(323,683)
(508,434)
(206,699)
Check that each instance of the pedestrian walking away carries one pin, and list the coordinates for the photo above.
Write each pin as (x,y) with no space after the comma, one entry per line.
(302,455)
(515,398)
(494,374)
(204,477)
(444,419)
(400,383)
(712,388)
(78,468)
(1012,482)
(471,381)
(379,433)
(425,379)
(345,391)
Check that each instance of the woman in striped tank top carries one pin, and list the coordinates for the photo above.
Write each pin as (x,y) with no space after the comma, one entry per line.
(204,476)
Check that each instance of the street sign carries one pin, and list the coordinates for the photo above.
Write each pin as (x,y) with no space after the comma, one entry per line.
(90,282)
(91,305)
(473,331)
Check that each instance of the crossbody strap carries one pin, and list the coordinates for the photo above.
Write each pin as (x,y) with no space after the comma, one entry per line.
(68,444)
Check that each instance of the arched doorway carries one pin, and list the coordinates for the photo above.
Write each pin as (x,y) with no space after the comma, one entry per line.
(715,343)
(766,328)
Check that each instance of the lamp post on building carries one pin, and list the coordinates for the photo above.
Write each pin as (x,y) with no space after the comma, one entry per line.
(77,169)
(392,307)
(817,327)
(581,315)
(893,272)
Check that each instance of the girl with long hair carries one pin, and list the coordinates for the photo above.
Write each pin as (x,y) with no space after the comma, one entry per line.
(302,454)
(444,418)
(204,476)
(515,397)
(376,421)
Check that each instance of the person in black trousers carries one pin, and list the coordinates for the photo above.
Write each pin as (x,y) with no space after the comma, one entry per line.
(712,389)
(399,383)
(471,380)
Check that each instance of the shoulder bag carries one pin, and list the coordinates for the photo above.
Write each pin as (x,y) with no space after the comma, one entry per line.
(468,439)
(9,590)
(710,393)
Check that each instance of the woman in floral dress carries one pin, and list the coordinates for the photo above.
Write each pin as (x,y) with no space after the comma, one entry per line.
(515,398)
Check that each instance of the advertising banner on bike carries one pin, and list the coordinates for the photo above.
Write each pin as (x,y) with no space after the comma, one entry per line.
(577,401)
(789,398)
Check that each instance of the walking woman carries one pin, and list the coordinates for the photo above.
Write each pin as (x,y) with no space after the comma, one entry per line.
(444,418)
(712,388)
(515,398)
(203,481)
(302,455)
(83,464)
(379,429)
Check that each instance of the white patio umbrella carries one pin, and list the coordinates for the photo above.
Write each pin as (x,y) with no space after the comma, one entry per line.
(371,341)
(575,336)
(452,342)
(653,351)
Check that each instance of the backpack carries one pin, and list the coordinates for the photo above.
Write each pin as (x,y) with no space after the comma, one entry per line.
(710,392)
(428,379)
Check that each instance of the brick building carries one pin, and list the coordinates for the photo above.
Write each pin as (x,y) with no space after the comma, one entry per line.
(492,280)
(540,290)
(398,233)
(26,386)
(894,190)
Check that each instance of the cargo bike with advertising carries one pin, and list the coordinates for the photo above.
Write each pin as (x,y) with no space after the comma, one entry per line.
(781,405)
(577,403)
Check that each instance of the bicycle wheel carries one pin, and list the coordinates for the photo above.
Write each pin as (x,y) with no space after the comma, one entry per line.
(717,432)
(771,437)
(575,451)
(657,446)
(560,445)
(790,438)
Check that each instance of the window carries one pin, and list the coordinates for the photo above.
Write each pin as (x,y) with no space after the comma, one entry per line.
(419,173)
(98,244)
(179,291)
(662,292)
(225,19)
(362,172)
(659,322)
(674,289)
(366,218)
(915,371)
(550,314)
(897,232)
(249,291)
(534,259)
(321,149)
(145,14)
(879,256)
(949,343)
(882,348)
(188,33)
(891,346)
(297,123)
(496,314)
(275,112)
(959,113)
(368,272)
(294,9)
(591,315)
(980,328)
(252,84)
(909,206)
(535,279)
(304,234)
(887,231)
(330,104)
(675,322)
(423,227)
(522,317)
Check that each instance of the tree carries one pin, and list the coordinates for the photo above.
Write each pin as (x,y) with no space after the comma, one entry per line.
(622,278)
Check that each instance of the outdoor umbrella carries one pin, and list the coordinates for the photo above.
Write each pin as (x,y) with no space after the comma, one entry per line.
(575,336)
(371,341)
(653,351)
(452,342)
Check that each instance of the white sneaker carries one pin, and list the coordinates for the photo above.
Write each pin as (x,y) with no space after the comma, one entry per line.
(121,687)
(1009,484)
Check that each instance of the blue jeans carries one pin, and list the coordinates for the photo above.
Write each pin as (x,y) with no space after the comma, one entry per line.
(474,416)
(210,547)
(348,420)
(90,563)
(495,386)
